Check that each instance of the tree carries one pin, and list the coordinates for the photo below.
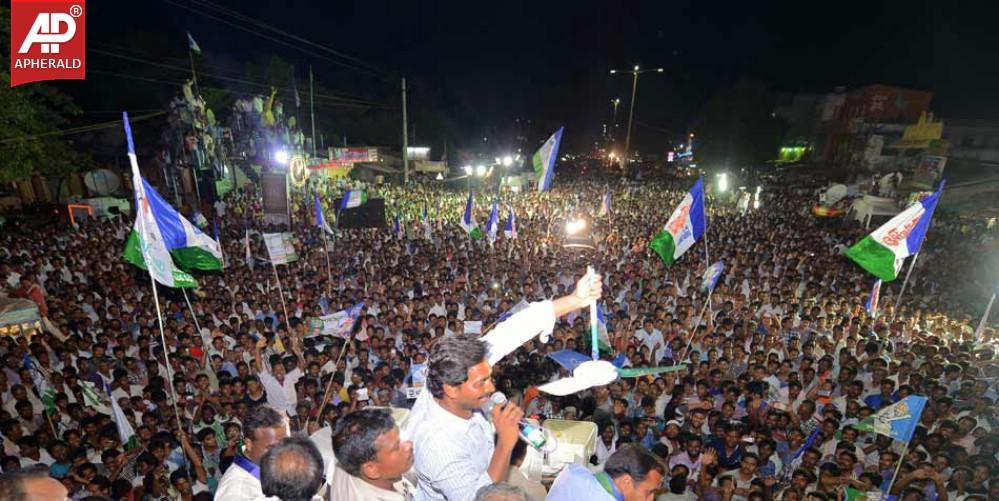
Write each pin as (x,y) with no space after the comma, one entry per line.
(737,128)
(29,126)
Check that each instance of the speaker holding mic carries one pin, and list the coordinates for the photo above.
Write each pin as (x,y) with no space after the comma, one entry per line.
(535,435)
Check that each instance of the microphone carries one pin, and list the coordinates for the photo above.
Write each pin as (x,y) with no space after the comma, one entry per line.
(497,398)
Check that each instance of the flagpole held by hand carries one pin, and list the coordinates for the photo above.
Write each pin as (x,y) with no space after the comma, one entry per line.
(594,331)
(898,300)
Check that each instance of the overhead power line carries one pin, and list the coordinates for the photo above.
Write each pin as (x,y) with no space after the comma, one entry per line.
(184,69)
(81,129)
(273,29)
(272,39)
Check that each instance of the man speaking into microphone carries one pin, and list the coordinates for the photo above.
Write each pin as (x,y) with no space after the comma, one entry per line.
(454,451)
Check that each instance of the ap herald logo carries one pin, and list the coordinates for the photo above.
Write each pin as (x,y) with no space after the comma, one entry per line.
(47,40)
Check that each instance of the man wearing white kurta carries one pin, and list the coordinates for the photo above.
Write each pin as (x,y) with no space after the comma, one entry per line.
(454,451)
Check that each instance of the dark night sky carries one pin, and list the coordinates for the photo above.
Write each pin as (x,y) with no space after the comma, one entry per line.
(549,61)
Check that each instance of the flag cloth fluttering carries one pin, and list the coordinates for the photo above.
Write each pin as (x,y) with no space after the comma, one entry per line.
(898,420)
(882,252)
(353,198)
(544,160)
(192,45)
(511,224)
(871,305)
(603,339)
(249,254)
(711,276)
(125,432)
(41,383)
(468,220)
(605,205)
(160,230)
(684,227)
(492,226)
(320,219)
(397,228)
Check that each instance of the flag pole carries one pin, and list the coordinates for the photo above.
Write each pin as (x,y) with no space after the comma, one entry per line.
(193,315)
(985,318)
(898,300)
(594,331)
(901,458)
(329,385)
(284,307)
(329,267)
(166,356)
(194,75)
(693,331)
(137,181)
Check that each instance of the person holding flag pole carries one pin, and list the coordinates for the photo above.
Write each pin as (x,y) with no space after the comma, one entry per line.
(155,256)
(882,252)
(324,228)
(897,421)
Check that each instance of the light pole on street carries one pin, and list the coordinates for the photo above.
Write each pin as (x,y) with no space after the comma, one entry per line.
(614,102)
(631,112)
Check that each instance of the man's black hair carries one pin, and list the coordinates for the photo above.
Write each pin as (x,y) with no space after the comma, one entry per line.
(450,361)
(292,470)
(261,416)
(635,461)
(354,437)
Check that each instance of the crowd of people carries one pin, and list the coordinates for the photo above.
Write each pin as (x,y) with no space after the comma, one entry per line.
(785,349)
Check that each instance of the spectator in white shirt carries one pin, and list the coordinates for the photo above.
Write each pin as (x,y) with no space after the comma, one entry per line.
(278,382)
(262,428)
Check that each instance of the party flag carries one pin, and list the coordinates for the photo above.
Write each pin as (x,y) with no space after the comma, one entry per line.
(882,252)
(493,224)
(320,219)
(544,160)
(684,227)
(872,300)
(353,198)
(468,220)
(898,420)
(511,224)
(192,45)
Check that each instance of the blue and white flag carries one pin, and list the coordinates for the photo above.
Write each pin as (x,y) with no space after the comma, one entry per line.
(492,226)
(684,227)
(397,227)
(147,246)
(544,160)
(602,333)
(468,220)
(511,224)
(791,465)
(872,300)
(605,205)
(353,198)
(320,219)
(898,420)
(341,323)
(711,276)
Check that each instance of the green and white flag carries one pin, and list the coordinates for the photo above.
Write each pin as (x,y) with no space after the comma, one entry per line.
(882,252)
(92,398)
(468,221)
(125,431)
(147,245)
(544,160)
(192,45)
(684,227)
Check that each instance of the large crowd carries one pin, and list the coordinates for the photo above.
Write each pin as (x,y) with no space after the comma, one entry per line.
(786,348)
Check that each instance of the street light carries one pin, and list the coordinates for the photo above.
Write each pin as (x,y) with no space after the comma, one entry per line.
(507,161)
(614,102)
(631,113)
(281,157)
(480,170)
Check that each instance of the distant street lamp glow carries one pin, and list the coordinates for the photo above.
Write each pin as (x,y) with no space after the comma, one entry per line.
(507,161)
(281,157)
(480,170)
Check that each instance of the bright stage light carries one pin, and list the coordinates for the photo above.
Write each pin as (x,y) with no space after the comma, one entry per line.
(281,157)
(575,226)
